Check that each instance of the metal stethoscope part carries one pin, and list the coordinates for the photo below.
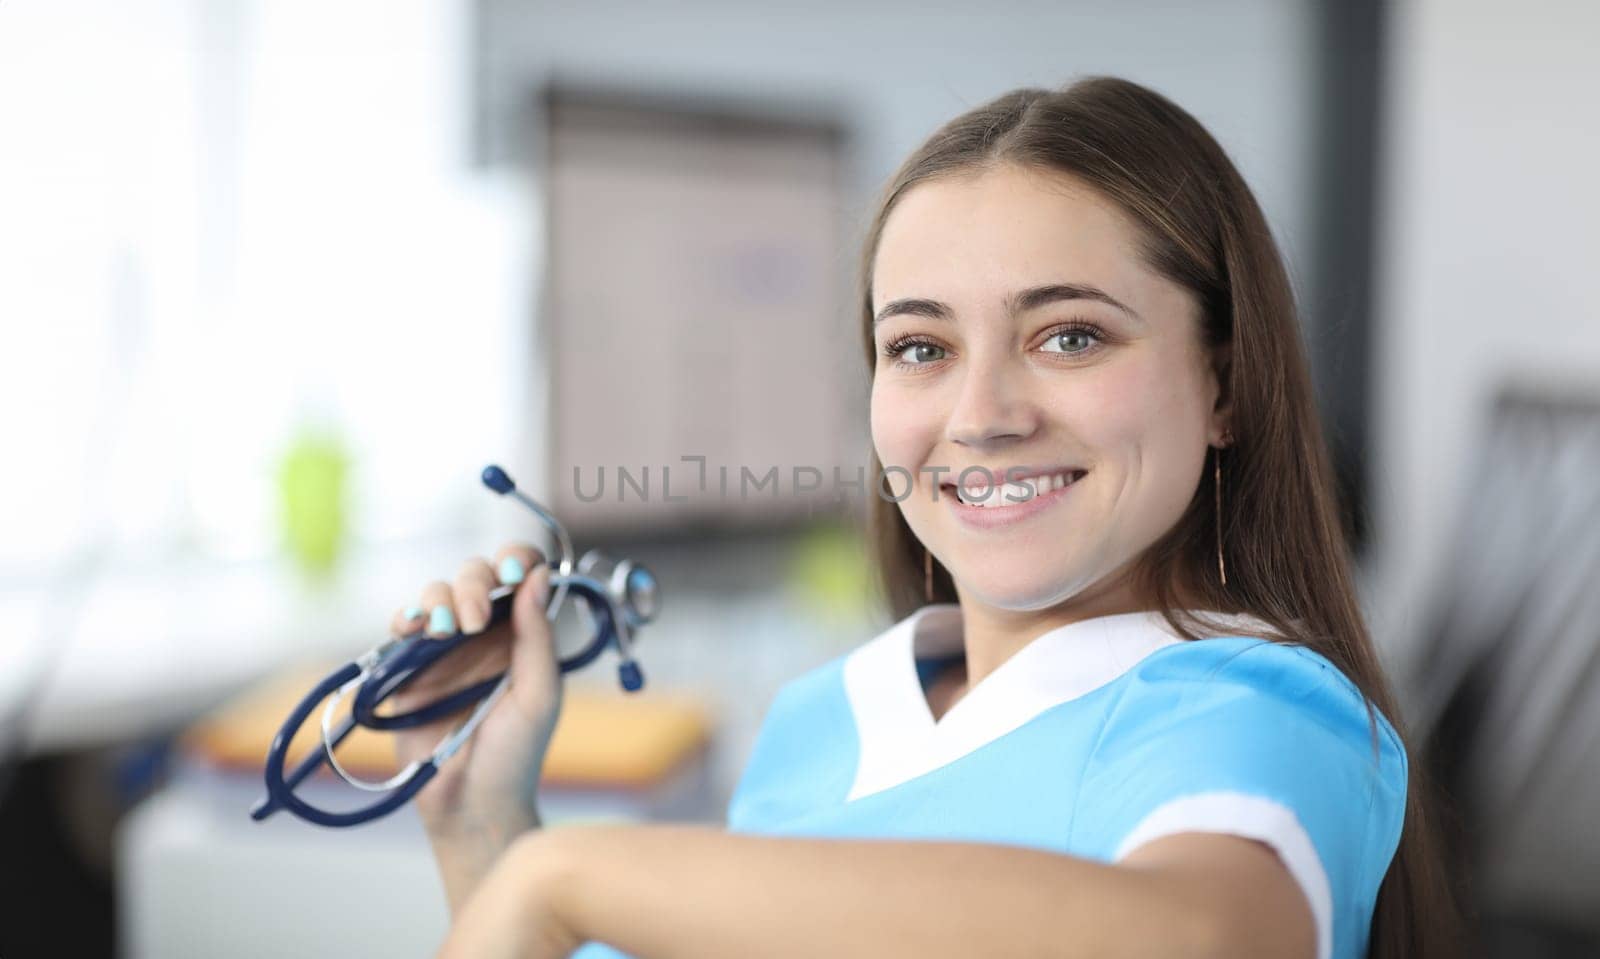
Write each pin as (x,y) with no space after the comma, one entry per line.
(616,599)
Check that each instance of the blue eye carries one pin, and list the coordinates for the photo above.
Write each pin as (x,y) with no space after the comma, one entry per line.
(911,351)
(1072,340)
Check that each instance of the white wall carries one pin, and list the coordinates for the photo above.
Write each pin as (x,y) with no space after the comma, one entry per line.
(1490,246)
(900,68)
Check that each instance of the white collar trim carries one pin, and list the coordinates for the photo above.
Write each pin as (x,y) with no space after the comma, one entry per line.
(900,740)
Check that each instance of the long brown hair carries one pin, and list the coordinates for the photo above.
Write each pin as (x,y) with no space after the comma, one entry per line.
(1287,557)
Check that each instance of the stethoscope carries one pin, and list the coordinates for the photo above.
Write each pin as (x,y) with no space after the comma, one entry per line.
(617,598)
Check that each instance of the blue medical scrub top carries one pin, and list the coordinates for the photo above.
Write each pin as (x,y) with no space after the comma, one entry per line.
(1092,740)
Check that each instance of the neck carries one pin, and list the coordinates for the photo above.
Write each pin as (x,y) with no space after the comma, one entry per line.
(991,635)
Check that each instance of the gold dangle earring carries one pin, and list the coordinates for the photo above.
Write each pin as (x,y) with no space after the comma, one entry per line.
(927,574)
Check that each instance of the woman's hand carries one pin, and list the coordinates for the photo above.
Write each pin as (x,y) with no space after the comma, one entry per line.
(485,795)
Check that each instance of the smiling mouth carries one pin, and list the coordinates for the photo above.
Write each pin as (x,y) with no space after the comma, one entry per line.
(1014,493)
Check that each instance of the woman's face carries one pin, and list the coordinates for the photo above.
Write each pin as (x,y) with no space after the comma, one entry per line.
(1001,345)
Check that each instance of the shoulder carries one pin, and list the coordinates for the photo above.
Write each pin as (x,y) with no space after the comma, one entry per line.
(1250,659)
(1261,739)
(1259,717)
(1252,676)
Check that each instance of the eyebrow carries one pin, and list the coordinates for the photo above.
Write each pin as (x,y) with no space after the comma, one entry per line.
(1021,302)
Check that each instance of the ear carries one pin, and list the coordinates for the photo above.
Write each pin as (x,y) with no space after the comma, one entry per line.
(1219,425)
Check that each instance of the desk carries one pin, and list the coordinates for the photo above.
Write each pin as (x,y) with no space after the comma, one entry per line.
(197,878)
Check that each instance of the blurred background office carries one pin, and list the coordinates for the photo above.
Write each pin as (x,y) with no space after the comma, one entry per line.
(278,278)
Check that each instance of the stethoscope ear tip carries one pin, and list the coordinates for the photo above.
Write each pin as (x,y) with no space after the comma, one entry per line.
(496,479)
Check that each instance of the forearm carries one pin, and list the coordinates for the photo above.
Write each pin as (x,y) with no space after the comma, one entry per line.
(668,891)
(466,854)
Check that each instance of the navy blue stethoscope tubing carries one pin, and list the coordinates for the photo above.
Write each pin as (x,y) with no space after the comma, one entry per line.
(417,653)
(280,790)
(393,672)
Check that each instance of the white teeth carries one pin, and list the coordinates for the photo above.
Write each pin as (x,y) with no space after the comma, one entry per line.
(1006,494)
(1011,494)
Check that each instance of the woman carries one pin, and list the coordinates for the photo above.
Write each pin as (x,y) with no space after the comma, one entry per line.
(1130,706)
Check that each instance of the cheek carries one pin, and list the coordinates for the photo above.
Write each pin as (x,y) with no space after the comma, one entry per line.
(1119,410)
(1144,420)
(1151,425)
(900,427)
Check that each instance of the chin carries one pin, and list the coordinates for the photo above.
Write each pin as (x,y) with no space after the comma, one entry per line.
(1018,593)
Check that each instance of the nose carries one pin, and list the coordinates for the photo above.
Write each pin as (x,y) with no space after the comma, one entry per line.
(993,406)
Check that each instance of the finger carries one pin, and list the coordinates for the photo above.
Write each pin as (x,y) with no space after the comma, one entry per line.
(471,591)
(406,621)
(438,608)
(534,670)
(513,561)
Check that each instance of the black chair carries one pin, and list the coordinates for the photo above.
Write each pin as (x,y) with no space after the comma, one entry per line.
(1505,693)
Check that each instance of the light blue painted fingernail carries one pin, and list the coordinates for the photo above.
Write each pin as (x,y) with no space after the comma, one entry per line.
(511,571)
(442,621)
(412,612)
